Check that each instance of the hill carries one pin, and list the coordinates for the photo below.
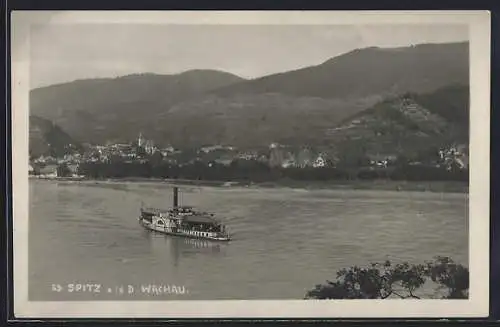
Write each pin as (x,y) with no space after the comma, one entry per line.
(365,72)
(298,106)
(408,124)
(450,102)
(218,108)
(97,110)
(48,139)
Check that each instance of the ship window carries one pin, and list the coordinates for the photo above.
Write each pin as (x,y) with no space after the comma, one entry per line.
(159,222)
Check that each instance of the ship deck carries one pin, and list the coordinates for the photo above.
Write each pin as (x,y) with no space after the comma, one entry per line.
(195,217)
(202,219)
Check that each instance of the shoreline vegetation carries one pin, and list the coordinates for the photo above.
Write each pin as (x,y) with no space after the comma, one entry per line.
(400,177)
(382,185)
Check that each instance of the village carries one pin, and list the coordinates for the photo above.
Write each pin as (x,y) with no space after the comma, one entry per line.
(275,155)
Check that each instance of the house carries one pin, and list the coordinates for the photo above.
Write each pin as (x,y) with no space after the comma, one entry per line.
(150,147)
(73,169)
(224,161)
(211,148)
(455,156)
(382,160)
(262,158)
(250,155)
(47,160)
(48,170)
(277,156)
(288,163)
(166,151)
(464,162)
(320,162)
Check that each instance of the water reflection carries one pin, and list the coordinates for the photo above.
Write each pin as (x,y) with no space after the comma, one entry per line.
(178,248)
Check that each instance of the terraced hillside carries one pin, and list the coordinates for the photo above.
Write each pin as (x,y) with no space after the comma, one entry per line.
(403,125)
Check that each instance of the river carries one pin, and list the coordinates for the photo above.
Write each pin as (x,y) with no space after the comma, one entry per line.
(285,240)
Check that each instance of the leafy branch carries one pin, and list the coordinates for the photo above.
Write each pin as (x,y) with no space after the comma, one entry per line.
(402,280)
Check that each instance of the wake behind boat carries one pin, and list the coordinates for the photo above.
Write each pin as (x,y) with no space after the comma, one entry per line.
(183,221)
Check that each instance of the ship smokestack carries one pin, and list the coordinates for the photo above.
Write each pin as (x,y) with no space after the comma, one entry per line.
(176,197)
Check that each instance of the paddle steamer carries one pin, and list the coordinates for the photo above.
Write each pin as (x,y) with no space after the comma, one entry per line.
(183,221)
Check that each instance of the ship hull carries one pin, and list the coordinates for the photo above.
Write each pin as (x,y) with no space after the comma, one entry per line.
(182,233)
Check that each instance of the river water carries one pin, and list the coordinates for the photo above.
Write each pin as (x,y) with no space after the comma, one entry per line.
(285,240)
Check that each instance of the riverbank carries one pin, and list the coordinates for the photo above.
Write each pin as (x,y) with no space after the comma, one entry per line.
(383,185)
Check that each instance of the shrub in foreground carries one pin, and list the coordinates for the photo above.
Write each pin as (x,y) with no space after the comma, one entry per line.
(402,280)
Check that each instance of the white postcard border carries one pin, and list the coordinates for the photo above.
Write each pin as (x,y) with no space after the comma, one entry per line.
(476,306)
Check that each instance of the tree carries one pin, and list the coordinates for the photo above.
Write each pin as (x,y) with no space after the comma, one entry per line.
(429,154)
(63,170)
(156,158)
(384,280)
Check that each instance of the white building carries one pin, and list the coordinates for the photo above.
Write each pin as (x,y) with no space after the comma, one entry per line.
(150,147)
(319,162)
(288,163)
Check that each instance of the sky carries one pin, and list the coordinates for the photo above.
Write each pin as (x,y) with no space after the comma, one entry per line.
(63,53)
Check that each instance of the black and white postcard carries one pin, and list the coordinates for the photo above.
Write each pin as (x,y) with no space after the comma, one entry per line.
(212,164)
